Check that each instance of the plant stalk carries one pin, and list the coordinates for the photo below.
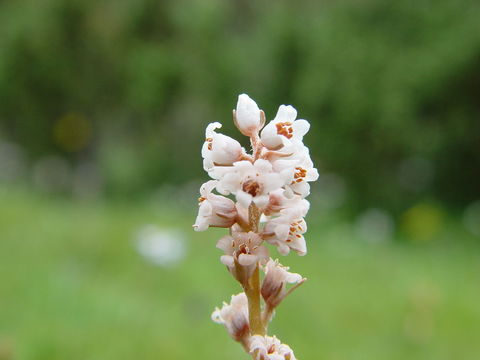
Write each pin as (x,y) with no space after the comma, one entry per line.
(252,290)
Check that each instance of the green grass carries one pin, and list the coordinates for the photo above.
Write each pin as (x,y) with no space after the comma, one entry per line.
(72,287)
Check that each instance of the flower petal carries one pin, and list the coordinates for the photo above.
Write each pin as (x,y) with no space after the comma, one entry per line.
(227,260)
(286,113)
(225,243)
(300,128)
(245,199)
(247,259)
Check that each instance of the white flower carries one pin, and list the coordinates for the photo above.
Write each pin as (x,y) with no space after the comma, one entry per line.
(219,149)
(214,210)
(248,117)
(274,286)
(269,348)
(251,182)
(243,251)
(286,232)
(284,129)
(234,316)
(302,172)
(279,201)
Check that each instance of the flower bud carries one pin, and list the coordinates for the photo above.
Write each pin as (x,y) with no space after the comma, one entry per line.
(274,287)
(234,316)
(248,118)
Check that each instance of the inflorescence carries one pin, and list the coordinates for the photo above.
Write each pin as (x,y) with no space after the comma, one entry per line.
(267,206)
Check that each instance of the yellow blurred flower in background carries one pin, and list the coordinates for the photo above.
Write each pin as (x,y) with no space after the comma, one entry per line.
(422,222)
(72,132)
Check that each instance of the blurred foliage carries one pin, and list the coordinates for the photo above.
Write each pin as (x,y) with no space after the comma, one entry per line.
(73,287)
(130,86)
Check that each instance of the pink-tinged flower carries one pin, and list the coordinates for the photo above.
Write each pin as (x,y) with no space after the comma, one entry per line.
(243,251)
(214,210)
(301,172)
(286,232)
(284,129)
(248,118)
(294,160)
(234,316)
(219,149)
(269,348)
(274,286)
(250,182)
(279,201)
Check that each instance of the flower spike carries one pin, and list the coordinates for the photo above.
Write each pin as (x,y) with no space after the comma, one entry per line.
(260,198)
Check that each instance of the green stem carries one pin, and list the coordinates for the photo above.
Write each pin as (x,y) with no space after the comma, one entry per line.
(252,290)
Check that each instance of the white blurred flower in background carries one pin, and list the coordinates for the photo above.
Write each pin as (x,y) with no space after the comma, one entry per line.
(161,247)
(12,162)
(375,225)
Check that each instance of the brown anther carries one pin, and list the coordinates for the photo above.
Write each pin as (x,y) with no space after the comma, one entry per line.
(251,187)
(271,349)
(285,129)
(300,173)
(242,249)
(201,199)
(209,141)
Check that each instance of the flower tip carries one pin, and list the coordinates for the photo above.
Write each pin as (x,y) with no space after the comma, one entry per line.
(214,125)
(244,98)
(247,116)
(286,113)
(246,103)
(284,107)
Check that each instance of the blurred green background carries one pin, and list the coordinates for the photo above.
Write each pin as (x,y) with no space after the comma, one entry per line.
(103,106)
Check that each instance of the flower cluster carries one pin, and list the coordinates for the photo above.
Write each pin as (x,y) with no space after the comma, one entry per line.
(260,197)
